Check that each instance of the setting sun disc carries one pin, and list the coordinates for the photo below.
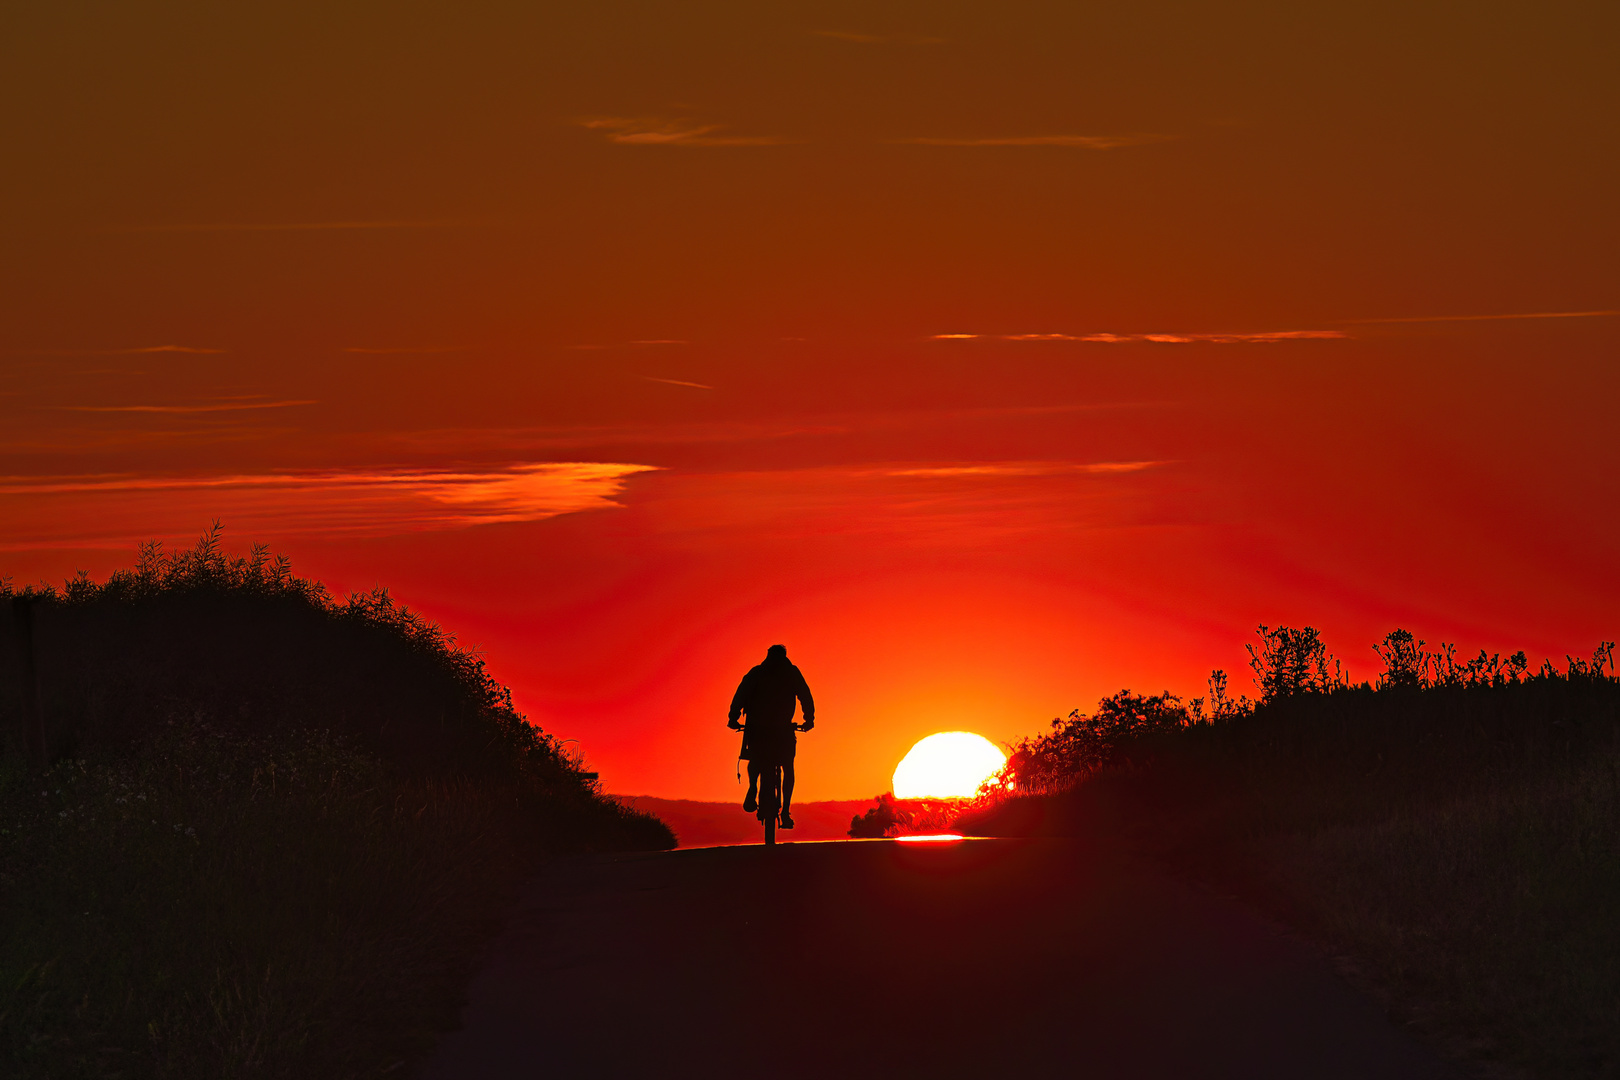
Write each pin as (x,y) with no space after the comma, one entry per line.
(949,765)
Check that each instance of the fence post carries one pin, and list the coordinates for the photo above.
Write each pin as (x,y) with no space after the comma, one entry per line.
(33,716)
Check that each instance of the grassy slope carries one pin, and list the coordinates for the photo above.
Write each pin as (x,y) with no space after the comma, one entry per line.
(276,834)
(1461,848)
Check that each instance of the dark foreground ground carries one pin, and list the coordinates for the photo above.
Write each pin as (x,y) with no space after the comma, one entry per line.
(887,959)
(708,824)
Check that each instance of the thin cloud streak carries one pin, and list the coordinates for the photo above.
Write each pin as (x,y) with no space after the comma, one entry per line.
(141,350)
(998,470)
(1082,142)
(489,446)
(294,226)
(514,442)
(954,506)
(389,350)
(627,344)
(229,406)
(1261,337)
(678,382)
(98,509)
(655,132)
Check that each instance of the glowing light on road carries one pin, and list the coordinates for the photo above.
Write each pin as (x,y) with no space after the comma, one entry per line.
(934,838)
(949,765)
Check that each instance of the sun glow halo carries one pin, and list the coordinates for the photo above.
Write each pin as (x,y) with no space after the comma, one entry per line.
(949,765)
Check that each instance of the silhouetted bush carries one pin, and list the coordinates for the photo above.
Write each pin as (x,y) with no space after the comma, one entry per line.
(1291,662)
(879,821)
(890,816)
(1409,666)
(1081,744)
(1455,827)
(277,831)
(247,646)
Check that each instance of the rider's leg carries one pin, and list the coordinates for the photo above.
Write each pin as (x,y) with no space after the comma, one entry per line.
(751,803)
(787,787)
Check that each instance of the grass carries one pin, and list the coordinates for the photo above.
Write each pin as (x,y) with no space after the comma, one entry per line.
(1490,920)
(220,906)
(276,834)
(1457,846)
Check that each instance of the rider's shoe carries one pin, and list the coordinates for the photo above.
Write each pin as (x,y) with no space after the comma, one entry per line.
(787,820)
(749,804)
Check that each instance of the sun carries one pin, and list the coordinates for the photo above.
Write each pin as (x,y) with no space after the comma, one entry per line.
(949,765)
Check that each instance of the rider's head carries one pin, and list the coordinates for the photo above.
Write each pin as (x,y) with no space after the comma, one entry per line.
(776,652)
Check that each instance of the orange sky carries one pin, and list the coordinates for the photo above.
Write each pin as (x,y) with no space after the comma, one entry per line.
(992,357)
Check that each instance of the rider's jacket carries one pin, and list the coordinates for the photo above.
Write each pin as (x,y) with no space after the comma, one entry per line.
(768,693)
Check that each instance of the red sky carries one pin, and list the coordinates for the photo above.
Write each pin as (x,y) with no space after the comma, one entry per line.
(992,357)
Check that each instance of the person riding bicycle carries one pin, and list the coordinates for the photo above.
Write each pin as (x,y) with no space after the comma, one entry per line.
(768,695)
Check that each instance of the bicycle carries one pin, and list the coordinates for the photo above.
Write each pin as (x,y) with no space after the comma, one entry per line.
(770,800)
(770,796)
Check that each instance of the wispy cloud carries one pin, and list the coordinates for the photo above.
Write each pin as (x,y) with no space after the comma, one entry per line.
(296,226)
(1260,336)
(1493,318)
(678,382)
(1004,469)
(139,350)
(1223,338)
(100,510)
(636,439)
(955,505)
(389,350)
(625,344)
(210,407)
(103,439)
(1082,142)
(654,131)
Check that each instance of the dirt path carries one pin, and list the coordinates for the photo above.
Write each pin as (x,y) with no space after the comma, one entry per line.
(984,958)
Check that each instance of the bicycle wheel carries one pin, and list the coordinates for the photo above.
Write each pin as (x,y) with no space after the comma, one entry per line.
(770,801)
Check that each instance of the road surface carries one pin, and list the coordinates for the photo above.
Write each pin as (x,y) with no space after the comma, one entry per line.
(982,958)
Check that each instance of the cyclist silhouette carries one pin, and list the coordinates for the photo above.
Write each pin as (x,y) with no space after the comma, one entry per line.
(768,695)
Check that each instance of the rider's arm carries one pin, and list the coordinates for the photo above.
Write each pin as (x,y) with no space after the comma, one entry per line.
(808,702)
(738,700)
